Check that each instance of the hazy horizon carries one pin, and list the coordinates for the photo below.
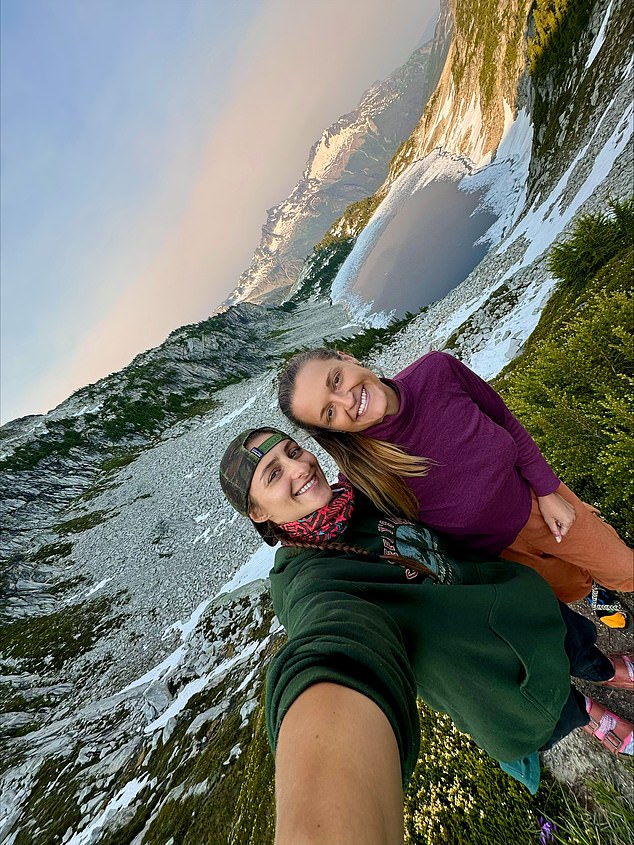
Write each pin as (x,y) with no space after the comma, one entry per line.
(141,147)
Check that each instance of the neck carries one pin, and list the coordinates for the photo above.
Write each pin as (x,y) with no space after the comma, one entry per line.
(326,522)
(393,400)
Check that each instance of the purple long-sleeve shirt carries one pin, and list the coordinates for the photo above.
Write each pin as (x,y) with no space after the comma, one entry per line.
(479,489)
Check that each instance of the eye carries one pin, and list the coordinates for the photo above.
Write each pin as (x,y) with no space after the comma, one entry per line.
(273,474)
(295,451)
(336,380)
(330,413)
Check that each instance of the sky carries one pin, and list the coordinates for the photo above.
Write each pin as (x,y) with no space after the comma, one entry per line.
(141,143)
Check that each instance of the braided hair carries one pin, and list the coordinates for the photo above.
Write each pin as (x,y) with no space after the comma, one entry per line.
(358,551)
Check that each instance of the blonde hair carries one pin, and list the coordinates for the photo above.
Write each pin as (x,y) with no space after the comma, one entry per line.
(376,468)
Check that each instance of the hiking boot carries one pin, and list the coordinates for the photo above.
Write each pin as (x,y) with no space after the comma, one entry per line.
(609,609)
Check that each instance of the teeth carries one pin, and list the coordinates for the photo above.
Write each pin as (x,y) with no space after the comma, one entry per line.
(363,403)
(306,487)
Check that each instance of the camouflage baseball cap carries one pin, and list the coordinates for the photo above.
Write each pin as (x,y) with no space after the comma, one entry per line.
(237,467)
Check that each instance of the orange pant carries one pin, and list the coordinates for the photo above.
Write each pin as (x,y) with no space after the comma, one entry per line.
(591,550)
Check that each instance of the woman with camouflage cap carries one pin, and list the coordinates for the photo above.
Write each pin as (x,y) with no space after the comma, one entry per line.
(365,637)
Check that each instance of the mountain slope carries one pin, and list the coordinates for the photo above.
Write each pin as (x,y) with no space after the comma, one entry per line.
(348,162)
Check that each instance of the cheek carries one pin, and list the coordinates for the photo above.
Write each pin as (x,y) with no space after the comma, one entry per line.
(255,507)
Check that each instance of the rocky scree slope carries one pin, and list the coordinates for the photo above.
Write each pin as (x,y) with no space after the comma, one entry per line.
(133,676)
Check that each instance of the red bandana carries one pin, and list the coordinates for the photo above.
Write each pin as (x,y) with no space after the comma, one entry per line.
(327,522)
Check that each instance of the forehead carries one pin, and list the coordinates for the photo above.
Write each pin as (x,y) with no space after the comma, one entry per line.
(310,385)
(257,440)
(314,373)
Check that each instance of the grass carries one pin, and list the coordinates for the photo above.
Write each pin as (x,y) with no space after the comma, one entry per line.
(607,818)
(51,551)
(273,335)
(52,804)
(27,457)
(82,523)
(44,643)
(62,587)
(201,798)
(119,461)
(459,795)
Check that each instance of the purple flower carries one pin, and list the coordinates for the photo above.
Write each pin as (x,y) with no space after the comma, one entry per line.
(547,831)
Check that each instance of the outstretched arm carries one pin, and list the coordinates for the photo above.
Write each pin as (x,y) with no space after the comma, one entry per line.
(341,716)
(337,771)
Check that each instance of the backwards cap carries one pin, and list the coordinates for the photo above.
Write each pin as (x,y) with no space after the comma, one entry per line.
(237,469)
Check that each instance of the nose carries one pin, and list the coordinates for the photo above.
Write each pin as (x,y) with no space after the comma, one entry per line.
(295,466)
(344,399)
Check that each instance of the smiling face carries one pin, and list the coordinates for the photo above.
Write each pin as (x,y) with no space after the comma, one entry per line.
(288,483)
(341,395)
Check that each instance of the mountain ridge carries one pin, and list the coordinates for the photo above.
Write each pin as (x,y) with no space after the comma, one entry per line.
(348,162)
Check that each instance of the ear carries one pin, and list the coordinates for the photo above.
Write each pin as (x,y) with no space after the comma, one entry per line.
(346,357)
(257,515)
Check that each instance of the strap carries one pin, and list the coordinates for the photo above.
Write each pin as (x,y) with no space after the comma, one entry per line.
(261,450)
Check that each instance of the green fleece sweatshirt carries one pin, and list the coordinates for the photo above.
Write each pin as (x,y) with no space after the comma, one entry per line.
(484,646)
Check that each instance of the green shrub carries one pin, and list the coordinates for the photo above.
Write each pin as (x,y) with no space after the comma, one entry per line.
(371,339)
(596,239)
(130,417)
(28,456)
(576,397)
(354,217)
(558,26)
(323,266)
(573,387)
(51,550)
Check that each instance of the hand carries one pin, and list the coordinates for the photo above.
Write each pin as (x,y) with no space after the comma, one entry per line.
(559,515)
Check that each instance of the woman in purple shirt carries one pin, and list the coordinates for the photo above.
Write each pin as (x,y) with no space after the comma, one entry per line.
(439,444)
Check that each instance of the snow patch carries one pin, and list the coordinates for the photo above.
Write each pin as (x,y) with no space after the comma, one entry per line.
(171,662)
(198,684)
(503,181)
(598,41)
(121,799)
(179,703)
(232,416)
(256,568)
(503,343)
(96,587)
(235,752)
(188,626)
(546,220)
(87,410)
